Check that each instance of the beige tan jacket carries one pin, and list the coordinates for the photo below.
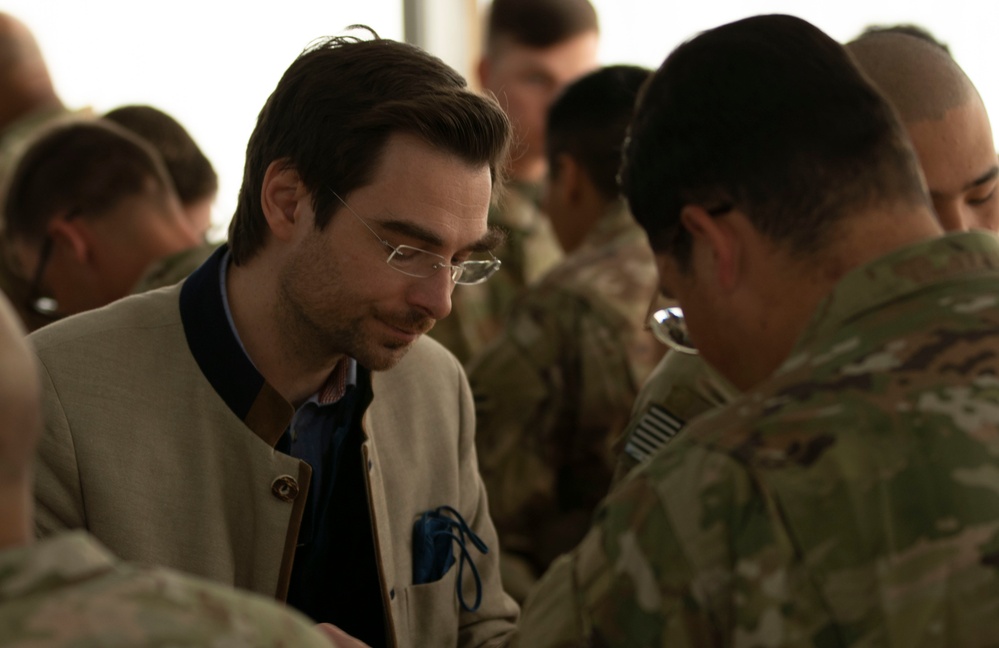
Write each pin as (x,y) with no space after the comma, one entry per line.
(142,451)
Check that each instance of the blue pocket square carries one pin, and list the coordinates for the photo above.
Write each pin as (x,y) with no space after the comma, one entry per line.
(434,535)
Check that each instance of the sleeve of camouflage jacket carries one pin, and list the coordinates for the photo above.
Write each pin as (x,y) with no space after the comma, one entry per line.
(659,567)
(550,394)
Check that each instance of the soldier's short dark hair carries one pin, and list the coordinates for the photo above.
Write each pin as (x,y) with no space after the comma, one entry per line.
(768,115)
(84,167)
(192,173)
(333,111)
(539,23)
(906,29)
(588,122)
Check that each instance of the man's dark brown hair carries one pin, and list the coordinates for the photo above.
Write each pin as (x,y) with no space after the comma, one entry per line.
(539,23)
(333,111)
(192,173)
(83,167)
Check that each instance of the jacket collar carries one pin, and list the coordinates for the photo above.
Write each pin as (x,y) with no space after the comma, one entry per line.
(221,358)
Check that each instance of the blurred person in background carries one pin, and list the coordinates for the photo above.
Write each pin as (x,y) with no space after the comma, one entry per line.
(533,49)
(28,101)
(91,216)
(555,388)
(192,173)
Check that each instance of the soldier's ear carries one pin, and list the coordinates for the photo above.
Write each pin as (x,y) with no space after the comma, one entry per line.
(715,240)
(72,235)
(483,69)
(567,179)
(279,199)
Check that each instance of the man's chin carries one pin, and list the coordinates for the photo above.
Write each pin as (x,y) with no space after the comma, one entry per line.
(384,357)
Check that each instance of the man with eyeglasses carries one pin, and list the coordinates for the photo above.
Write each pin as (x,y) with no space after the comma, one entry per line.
(278,421)
(946,120)
(848,497)
(91,216)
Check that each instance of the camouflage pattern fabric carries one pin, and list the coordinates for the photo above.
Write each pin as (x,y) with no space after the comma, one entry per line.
(174,268)
(68,591)
(679,389)
(478,313)
(554,391)
(852,499)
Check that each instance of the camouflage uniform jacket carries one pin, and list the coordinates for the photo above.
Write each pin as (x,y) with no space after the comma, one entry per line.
(479,312)
(174,269)
(679,389)
(555,389)
(852,499)
(69,591)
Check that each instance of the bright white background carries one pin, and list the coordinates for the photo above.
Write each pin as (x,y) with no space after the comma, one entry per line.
(212,63)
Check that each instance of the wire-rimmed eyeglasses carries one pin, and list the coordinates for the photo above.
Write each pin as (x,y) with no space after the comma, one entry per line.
(38,302)
(670,328)
(414,262)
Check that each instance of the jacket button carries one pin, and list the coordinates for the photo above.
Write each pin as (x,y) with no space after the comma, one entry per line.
(285,488)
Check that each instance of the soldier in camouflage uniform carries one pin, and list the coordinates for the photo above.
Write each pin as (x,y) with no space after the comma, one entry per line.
(478,312)
(680,388)
(91,216)
(556,387)
(945,118)
(534,48)
(850,497)
(28,103)
(69,591)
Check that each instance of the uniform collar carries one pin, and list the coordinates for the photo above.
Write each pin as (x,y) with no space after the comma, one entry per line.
(921,266)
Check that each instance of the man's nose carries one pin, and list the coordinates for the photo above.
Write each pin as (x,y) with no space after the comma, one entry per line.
(433,294)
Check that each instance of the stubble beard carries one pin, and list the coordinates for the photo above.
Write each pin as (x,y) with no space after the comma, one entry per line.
(324,330)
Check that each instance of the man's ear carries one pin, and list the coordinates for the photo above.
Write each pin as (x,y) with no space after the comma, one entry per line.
(73,235)
(279,198)
(483,70)
(715,234)
(567,180)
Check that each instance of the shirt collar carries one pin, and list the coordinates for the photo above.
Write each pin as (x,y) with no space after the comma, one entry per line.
(220,355)
(344,374)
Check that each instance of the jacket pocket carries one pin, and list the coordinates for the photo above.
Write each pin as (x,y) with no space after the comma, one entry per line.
(431,611)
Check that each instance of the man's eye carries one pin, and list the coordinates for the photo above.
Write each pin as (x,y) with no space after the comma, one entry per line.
(979,198)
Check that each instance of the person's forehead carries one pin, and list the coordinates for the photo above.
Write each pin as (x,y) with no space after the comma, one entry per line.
(569,57)
(956,149)
(419,184)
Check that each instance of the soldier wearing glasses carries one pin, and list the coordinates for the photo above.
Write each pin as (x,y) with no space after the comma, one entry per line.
(946,120)
(848,497)
(278,421)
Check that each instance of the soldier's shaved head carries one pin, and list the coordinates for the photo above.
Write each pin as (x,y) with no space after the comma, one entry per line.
(946,120)
(25,84)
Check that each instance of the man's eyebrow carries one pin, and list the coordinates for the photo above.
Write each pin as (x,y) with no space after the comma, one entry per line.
(492,239)
(412,230)
(988,176)
(489,241)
